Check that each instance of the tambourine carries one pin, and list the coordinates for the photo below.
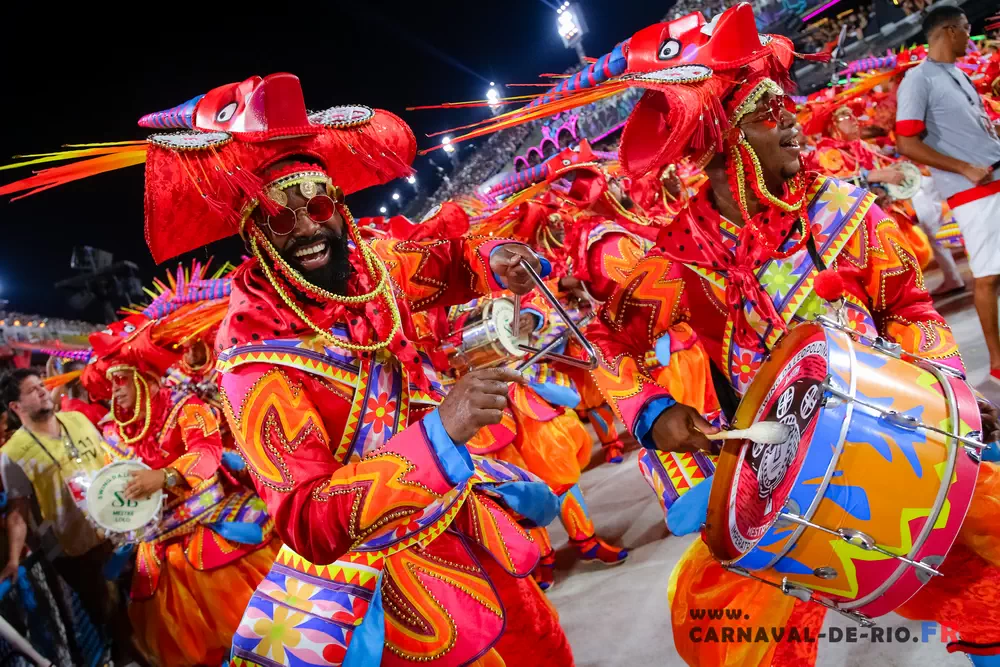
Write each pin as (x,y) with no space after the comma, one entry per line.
(910,186)
(111,510)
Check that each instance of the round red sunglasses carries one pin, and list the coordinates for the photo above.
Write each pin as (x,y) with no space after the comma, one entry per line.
(319,207)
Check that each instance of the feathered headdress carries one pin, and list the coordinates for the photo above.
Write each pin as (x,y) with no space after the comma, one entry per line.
(204,171)
(687,68)
(184,307)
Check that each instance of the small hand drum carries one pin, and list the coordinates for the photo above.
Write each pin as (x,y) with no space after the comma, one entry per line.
(911,182)
(108,507)
(487,341)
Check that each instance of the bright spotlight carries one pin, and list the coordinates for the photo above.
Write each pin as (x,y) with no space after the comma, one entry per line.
(492,84)
(382,210)
(492,96)
(448,148)
(395,196)
(411,179)
(570,25)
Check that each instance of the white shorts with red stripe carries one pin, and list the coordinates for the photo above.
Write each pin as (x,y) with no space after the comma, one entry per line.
(979,221)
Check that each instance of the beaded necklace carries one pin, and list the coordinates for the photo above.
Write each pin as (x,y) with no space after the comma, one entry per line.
(376,271)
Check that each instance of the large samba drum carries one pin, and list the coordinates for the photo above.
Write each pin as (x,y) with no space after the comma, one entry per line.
(861,503)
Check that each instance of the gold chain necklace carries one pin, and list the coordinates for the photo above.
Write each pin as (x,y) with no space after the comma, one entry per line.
(375,268)
(148,417)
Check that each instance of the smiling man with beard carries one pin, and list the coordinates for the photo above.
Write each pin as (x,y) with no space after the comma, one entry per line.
(320,252)
(355,449)
(400,547)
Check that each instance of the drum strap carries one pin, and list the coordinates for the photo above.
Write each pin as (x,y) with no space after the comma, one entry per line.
(728,398)
(814,254)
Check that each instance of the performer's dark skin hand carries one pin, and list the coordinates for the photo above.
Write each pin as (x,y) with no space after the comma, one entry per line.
(574,290)
(505,262)
(991,420)
(477,400)
(144,483)
(681,428)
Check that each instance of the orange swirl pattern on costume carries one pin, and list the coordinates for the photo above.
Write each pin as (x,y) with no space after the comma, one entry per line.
(198,422)
(490,526)
(653,295)
(427,272)
(281,414)
(615,254)
(418,579)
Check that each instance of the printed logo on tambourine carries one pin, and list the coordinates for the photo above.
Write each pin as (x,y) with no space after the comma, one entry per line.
(110,509)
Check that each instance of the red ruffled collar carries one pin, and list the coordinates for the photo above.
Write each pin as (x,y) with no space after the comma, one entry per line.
(695,238)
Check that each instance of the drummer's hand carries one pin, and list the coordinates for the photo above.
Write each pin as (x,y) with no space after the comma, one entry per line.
(991,420)
(477,400)
(505,262)
(681,428)
(574,290)
(144,483)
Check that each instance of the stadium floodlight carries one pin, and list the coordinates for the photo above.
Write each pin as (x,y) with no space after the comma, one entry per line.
(571,26)
(382,210)
(493,97)
(395,196)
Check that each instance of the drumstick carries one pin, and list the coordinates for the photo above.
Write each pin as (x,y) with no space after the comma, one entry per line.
(766,433)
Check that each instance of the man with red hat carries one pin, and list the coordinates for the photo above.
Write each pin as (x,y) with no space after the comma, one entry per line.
(739,263)
(399,546)
(207,540)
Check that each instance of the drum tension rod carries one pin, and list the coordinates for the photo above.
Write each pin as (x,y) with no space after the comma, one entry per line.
(803,593)
(889,347)
(574,330)
(859,539)
(902,421)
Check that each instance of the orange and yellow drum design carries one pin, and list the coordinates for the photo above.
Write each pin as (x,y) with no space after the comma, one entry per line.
(859,485)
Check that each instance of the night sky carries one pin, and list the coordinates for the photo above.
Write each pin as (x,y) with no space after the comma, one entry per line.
(73,77)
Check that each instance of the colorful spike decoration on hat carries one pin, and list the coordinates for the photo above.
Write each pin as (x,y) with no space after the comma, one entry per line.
(186,285)
(687,67)
(202,178)
(527,177)
(188,304)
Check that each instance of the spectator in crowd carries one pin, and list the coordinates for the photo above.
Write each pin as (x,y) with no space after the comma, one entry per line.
(941,122)
(46,467)
(72,397)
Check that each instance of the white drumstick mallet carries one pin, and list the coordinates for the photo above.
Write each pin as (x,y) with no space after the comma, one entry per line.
(765,433)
